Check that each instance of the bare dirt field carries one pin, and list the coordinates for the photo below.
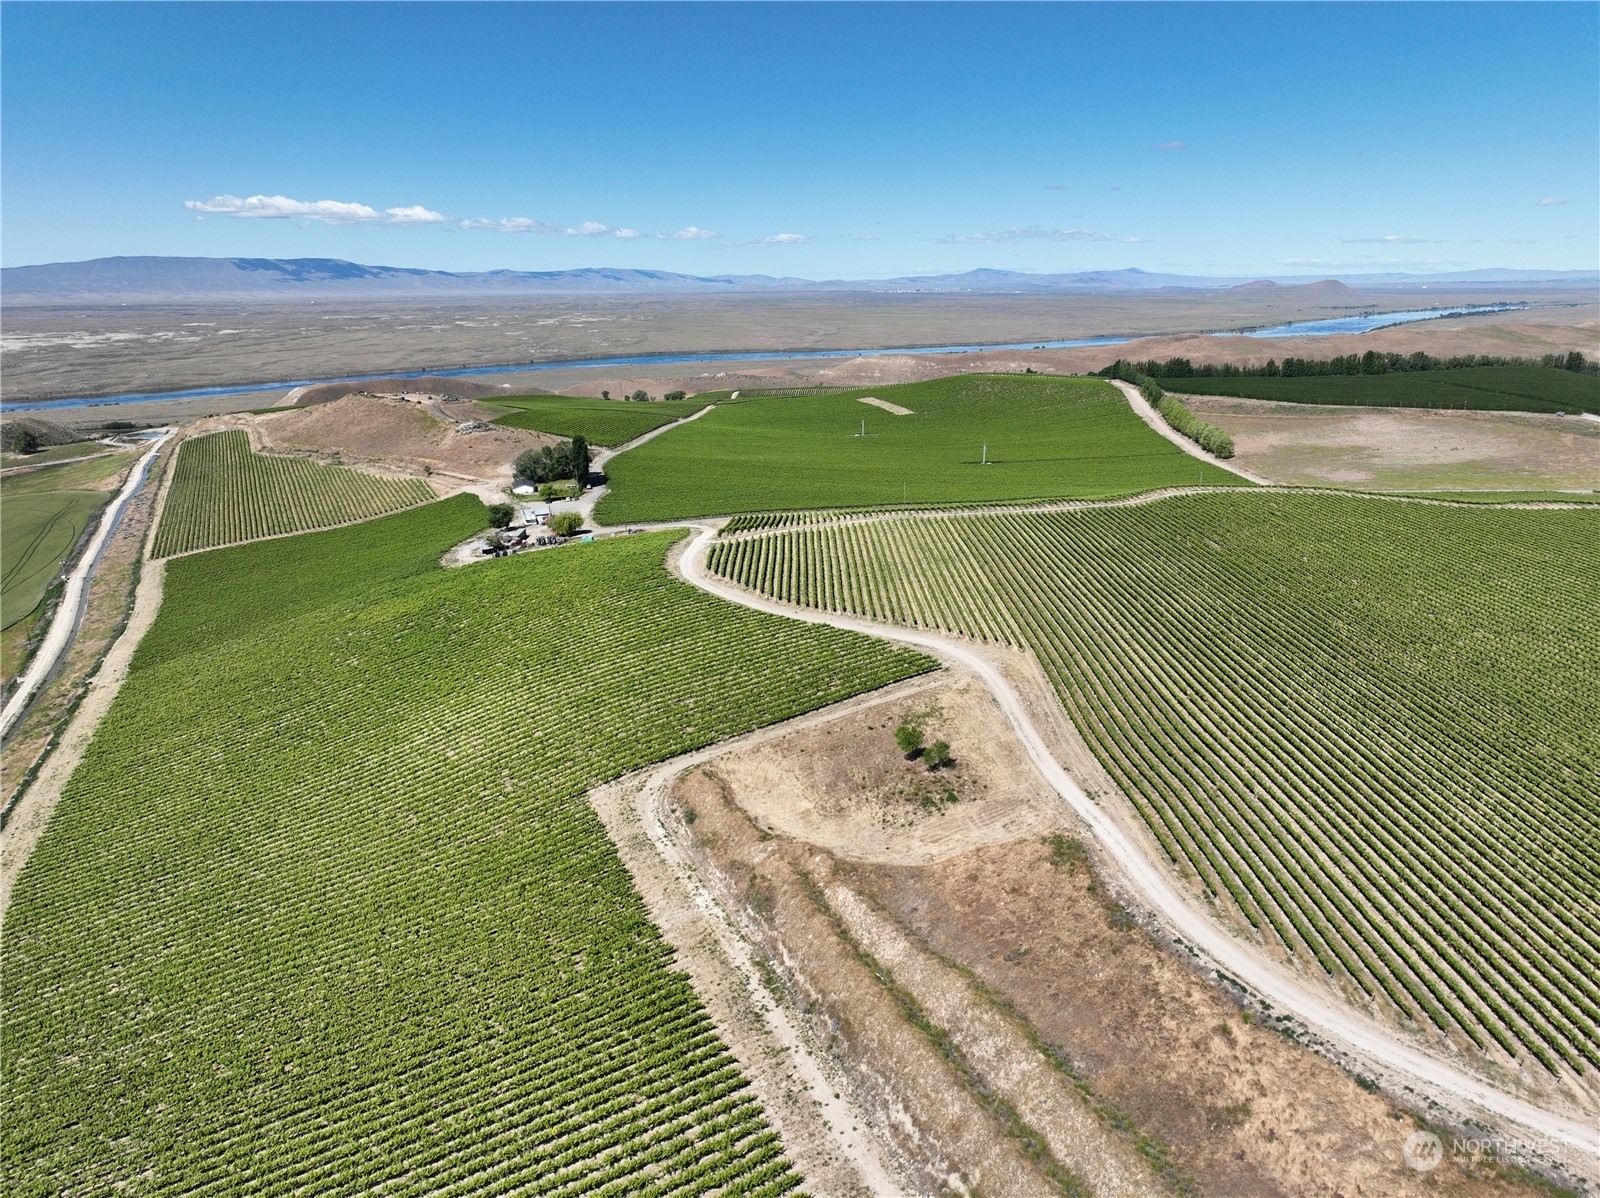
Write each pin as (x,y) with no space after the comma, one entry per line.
(1398,449)
(946,938)
(78,350)
(396,433)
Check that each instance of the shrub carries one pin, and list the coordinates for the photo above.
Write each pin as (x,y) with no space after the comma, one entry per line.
(938,755)
(564,524)
(500,515)
(22,440)
(909,738)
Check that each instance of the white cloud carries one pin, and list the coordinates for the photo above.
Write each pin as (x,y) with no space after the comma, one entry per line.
(1551,202)
(1172,145)
(1033,233)
(1391,239)
(512,224)
(523,224)
(327,212)
(341,212)
(1057,187)
(784,239)
(414,215)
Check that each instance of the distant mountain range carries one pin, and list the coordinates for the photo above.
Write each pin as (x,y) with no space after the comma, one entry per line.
(156,279)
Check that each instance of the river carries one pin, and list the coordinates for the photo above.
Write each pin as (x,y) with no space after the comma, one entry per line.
(1333,326)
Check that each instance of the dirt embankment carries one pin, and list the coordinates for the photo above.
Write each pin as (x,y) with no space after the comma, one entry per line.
(945,937)
(397,433)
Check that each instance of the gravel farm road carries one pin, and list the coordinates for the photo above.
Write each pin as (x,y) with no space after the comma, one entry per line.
(65,624)
(1385,1052)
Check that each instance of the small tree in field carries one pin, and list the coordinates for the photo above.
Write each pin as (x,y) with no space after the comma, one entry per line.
(909,738)
(500,515)
(564,524)
(22,440)
(548,492)
(938,755)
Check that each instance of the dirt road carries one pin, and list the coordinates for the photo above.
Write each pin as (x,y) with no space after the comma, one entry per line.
(65,624)
(585,506)
(1381,1049)
(828,1117)
(1153,418)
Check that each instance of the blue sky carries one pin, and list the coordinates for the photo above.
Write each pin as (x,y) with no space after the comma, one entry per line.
(826,140)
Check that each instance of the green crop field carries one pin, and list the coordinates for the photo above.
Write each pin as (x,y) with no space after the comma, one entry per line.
(1368,726)
(76,475)
(1508,496)
(1046,438)
(36,536)
(222,492)
(54,453)
(324,909)
(599,421)
(1477,388)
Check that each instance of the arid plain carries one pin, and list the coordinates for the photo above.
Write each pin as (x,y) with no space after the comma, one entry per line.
(52,351)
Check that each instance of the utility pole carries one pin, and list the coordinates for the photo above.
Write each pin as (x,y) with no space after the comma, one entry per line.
(985,461)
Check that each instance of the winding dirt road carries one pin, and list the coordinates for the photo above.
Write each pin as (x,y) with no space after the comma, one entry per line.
(1382,1051)
(1380,1048)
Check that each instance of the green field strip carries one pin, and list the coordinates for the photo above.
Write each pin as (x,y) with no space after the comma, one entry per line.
(38,533)
(1047,437)
(1477,388)
(606,422)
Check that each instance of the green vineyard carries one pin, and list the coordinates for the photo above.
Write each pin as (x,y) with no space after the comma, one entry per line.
(599,421)
(966,440)
(324,909)
(1370,727)
(223,493)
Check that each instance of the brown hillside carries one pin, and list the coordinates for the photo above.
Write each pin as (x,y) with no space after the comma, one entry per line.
(48,431)
(462,388)
(397,433)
